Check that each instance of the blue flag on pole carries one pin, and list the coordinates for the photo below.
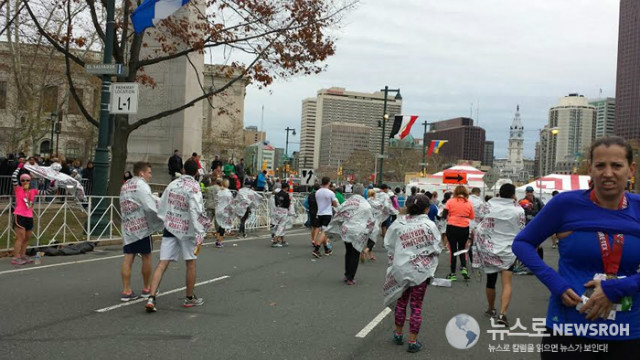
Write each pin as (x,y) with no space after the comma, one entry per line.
(150,12)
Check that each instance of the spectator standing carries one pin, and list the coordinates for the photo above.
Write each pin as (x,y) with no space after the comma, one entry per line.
(216,163)
(175,164)
(229,168)
(240,171)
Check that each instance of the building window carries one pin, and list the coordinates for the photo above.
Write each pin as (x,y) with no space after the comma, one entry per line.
(74,108)
(45,147)
(50,99)
(3,94)
(72,150)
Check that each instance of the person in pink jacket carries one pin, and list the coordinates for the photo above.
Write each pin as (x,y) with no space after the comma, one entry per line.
(23,219)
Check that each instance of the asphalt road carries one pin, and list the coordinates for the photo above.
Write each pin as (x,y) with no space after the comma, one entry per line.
(260,303)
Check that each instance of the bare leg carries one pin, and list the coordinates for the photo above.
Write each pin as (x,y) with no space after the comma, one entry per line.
(20,242)
(25,242)
(191,276)
(146,270)
(506,291)
(125,271)
(157,275)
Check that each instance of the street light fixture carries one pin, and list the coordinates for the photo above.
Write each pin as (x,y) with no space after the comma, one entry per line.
(286,146)
(385,117)
(54,115)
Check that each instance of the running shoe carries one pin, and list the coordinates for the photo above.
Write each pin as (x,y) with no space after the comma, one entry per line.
(284,244)
(398,339)
(124,297)
(351,282)
(465,274)
(244,235)
(276,245)
(145,293)
(490,313)
(27,259)
(452,277)
(219,244)
(18,261)
(194,301)
(328,252)
(150,306)
(502,320)
(316,253)
(414,347)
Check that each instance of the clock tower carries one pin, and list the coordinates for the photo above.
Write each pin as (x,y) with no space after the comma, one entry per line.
(516,140)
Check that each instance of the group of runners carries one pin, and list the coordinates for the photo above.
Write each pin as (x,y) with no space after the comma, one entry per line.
(596,231)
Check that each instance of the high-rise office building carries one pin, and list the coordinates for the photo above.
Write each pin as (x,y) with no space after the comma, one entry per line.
(339,140)
(565,139)
(337,105)
(627,122)
(488,153)
(307,133)
(465,141)
(252,135)
(605,116)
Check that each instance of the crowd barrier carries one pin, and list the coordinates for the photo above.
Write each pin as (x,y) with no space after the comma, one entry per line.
(66,220)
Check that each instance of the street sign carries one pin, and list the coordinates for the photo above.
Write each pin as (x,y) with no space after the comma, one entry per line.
(308,177)
(124,98)
(105,69)
(382,156)
(454,177)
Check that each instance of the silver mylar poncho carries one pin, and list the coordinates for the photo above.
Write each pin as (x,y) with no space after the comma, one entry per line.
(353,221)
(246,199)
(502,221)
(382,208)
(62,181)
(182,210)
(139,208)
(413,246)
(224,209)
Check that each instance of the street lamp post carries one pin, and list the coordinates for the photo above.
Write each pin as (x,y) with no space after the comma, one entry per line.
(54,115)
(286,146)
(424,148)
(552,132)
(385,117)
(58,131)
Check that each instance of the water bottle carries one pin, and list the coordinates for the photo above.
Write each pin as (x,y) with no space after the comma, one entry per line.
(38,260)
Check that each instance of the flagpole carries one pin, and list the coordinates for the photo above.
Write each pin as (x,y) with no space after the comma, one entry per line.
(424,149)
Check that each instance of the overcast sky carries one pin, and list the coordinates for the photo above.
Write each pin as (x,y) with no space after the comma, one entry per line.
(445,55)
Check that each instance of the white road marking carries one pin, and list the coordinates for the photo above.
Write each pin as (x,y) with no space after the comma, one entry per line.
(370,326)
(39,267)
(160,294)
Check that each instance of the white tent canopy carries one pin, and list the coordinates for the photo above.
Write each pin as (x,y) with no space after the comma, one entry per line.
(434,182)
(544,186)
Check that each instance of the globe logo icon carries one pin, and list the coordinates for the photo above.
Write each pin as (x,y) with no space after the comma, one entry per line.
(462,331)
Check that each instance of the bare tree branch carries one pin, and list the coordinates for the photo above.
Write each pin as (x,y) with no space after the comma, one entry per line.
(94,19)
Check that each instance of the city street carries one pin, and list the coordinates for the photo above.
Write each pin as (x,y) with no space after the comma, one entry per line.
(260,302)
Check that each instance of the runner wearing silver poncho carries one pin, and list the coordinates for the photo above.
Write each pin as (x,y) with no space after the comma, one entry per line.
(282,214)
(224,212)
(245,202)
(413,246)
(139,208)
(502,221)
(382,208)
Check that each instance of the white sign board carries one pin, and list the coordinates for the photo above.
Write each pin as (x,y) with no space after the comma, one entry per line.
(124,98)
(307,177)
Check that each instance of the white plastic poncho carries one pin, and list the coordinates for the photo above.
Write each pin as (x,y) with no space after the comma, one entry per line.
(413,246)
(246,199)
(382,208)
(224,209)
(281,218)
(476,202)
(494,235)
(62,181)
(139,208)
(181,209)
(353,221)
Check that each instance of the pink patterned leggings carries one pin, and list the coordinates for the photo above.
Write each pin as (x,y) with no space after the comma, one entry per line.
(416,295)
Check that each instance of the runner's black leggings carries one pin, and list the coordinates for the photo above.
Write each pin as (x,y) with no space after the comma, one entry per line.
(457,237)
(351,258)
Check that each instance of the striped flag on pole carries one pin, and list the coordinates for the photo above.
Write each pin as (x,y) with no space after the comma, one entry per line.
(150,12)
(435,146)
(402,126)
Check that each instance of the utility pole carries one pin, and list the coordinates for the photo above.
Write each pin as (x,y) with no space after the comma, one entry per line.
(385,117)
